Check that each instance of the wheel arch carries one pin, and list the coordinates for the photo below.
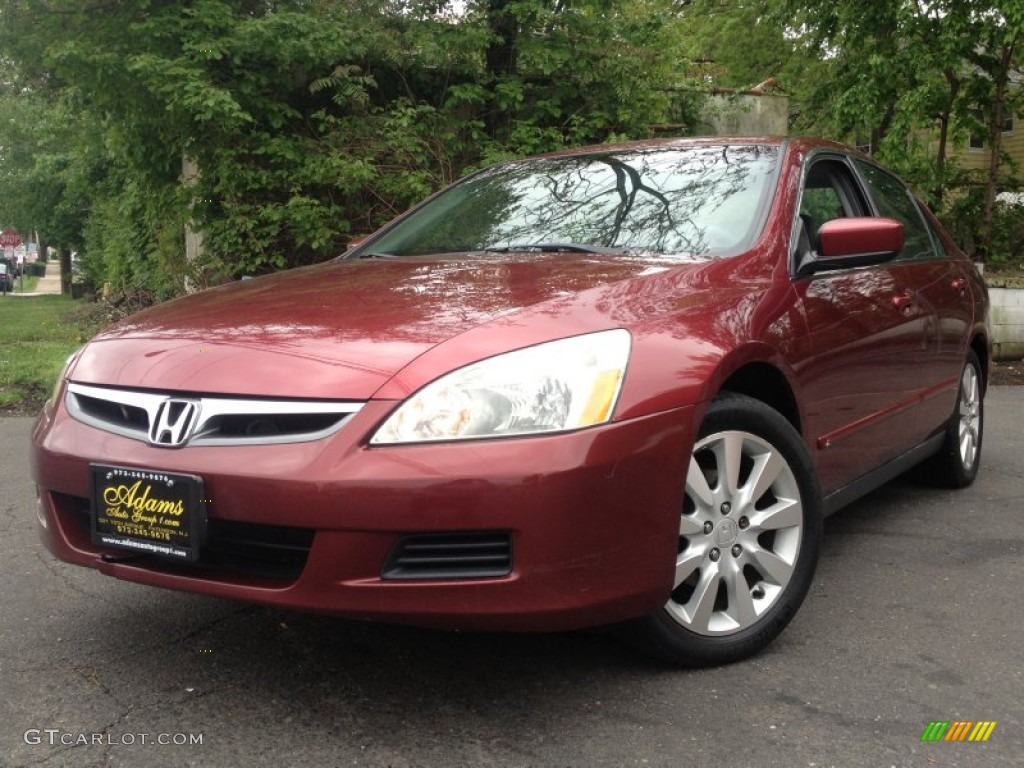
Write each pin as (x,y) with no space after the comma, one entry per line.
(979,344)
(764,382)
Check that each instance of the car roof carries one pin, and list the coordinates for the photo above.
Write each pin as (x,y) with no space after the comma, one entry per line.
(796,142)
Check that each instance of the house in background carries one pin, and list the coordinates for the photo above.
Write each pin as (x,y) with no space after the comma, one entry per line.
(977,154)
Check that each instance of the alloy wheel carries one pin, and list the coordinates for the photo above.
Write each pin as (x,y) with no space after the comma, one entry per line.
(970,416)
(739,534)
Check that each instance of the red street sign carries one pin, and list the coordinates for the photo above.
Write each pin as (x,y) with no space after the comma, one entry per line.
(10,238)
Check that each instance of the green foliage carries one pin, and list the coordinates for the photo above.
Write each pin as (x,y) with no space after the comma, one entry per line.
(742,43)
(47,167)
(133,238)
(964,216)
(315,121)
(1007,245)
(309,122)
(909,80)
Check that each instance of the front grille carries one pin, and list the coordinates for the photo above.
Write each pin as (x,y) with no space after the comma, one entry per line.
(477,555)
(128,417)
(217,420)
(275,552)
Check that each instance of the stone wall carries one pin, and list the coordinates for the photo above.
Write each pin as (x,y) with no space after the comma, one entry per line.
(745,114)
(1007,297)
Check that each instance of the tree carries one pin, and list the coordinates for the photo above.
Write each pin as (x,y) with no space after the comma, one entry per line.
(741,43)
(311,121)
(909,76)
(49,164)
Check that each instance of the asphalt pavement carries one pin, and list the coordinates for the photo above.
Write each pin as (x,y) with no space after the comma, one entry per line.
(916,615)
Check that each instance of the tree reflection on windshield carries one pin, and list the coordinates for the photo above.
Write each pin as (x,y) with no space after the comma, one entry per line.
(696,200)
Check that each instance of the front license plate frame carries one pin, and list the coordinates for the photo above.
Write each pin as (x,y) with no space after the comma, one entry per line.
(148,511)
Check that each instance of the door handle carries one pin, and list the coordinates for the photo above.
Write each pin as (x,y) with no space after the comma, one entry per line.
(904,303)
(960,286)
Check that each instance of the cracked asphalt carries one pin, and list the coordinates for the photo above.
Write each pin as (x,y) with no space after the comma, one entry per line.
(916,614)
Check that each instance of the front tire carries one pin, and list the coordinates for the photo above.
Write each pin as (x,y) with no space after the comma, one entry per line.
(749,537)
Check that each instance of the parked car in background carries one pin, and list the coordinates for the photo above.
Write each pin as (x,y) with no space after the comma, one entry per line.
(6,277)
(617,385)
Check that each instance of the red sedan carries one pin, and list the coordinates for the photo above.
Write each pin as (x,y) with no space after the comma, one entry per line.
(618,385)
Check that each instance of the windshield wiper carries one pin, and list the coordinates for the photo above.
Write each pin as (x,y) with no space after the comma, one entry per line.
(373,255)
(555,247)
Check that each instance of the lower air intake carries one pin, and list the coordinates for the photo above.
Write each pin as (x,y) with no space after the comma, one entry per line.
(482,555)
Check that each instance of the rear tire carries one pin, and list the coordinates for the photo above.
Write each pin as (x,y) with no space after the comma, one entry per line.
(749,538)
(956,464)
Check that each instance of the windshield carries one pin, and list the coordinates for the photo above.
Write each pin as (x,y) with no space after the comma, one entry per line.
(697,200)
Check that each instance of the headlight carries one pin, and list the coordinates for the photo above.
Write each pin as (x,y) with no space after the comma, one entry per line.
(552,387)
(64,374)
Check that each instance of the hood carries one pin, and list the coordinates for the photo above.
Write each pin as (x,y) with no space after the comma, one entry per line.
(336,330)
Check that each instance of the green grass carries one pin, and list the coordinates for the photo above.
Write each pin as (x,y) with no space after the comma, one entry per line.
(35,340)
(30,283)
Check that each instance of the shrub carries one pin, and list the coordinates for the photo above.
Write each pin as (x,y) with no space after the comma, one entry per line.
(964,215)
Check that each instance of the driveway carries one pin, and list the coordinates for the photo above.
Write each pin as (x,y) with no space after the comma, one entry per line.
(916,615)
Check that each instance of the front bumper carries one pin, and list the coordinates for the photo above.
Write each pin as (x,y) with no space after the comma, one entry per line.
(591,516)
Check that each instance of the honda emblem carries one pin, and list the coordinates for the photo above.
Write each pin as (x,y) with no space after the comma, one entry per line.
(173,423)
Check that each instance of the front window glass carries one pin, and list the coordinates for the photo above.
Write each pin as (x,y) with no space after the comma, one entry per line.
(895,202)
(707,200)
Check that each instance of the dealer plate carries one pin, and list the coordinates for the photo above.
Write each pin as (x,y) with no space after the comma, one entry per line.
(148,511)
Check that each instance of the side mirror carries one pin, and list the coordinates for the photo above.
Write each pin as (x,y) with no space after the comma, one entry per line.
(854,242)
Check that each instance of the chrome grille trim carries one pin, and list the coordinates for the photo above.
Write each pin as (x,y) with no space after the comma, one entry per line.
(131,413)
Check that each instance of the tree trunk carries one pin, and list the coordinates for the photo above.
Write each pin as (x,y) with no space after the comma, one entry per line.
(500,58)
(995,137)
(940,160)
(945,117)
(65,271)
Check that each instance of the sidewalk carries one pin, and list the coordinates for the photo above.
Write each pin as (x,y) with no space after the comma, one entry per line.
(49,285)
